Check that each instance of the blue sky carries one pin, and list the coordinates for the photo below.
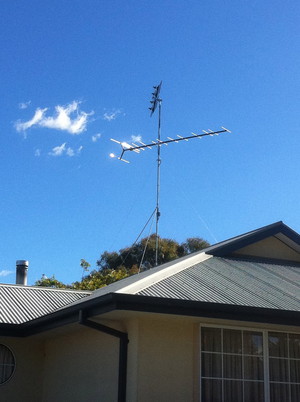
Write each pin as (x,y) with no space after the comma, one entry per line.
(76,73)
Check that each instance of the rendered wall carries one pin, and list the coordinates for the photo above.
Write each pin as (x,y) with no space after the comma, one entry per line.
(270,248)
(166,352)
(81,367)
(26,383)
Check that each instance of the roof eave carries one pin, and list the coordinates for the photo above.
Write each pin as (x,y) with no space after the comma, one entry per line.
(136,303)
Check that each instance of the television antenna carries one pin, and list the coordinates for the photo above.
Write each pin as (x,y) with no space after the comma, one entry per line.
(141,146)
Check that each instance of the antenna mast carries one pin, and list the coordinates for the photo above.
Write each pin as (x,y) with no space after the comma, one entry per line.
(157,101)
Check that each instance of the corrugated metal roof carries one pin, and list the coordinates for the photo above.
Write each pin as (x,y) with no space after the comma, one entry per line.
(234,281)
(19,304)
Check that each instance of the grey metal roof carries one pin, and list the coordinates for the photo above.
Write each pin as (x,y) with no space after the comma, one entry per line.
(234,281)
(19,304)
(204,276)
(119,285)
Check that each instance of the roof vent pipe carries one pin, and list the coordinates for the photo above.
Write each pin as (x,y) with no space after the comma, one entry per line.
(21,272)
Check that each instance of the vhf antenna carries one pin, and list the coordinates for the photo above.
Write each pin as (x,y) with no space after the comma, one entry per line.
(133,147)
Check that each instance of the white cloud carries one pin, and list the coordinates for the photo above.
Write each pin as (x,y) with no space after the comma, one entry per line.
(37,118)
(5,272)
(96,137)
(24,105)
(136,138)
(66,118)
(59,150)
(70,152)
(109,116)
(62,149)
(37,152)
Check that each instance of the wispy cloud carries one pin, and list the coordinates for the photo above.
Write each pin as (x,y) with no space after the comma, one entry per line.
(5,272)
(62,149)
(136,138)
(59,150)
(37,118)
(70,152)
(66,118)
(96,137)
(109,116)
(37,152)
(24,105)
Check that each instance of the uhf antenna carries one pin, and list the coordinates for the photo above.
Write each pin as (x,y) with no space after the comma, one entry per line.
(133,147)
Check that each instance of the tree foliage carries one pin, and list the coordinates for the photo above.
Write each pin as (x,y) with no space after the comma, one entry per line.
(50,282)
(113,266)
(168,250)
(97,279)
(193,244)
(85,266)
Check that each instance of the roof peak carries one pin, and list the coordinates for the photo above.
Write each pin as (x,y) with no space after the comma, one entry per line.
(278,229)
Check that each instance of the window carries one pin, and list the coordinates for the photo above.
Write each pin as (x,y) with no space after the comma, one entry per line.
(246,366)
(284,366)
(7,364)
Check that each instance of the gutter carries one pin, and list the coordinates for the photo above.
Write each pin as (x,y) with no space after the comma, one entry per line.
(123,349)
(118,301)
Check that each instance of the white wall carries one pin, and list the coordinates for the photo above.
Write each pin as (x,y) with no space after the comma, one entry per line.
(81,367)
(166,361)
(79,364)
(26,383)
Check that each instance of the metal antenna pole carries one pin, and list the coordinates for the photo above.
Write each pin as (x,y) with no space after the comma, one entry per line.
(125,148)
(158,185)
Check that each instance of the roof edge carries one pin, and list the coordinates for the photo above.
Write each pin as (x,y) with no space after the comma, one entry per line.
(227,247)
(148,304)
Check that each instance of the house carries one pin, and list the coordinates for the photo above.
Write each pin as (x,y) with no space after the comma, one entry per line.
(222,324)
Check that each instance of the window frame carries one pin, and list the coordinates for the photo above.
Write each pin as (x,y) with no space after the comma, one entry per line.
(266,358)
(14,364)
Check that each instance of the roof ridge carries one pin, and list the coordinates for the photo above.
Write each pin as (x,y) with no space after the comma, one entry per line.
(165,273)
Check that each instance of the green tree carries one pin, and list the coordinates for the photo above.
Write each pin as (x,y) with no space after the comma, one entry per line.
(113,266)
(144,251)
(85,266)
(100,278)
(109,260)
(50,282)
(193,244)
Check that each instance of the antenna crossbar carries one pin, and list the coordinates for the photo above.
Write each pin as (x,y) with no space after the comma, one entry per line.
(135,148)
